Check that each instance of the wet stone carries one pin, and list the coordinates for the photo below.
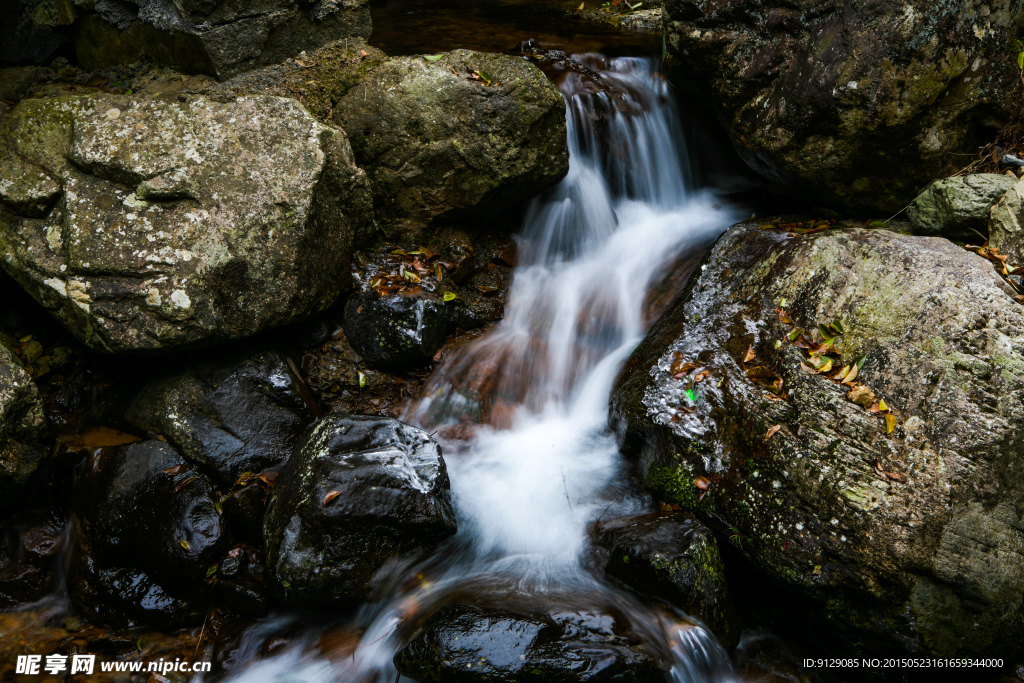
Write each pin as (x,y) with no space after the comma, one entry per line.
(26,441)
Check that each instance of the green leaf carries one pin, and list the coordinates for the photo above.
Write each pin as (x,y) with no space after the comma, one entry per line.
(783,302)
(837,325)
(362,379)
(485,77)
(449,296)
(825,333)
(212,569)
(860,362)
(433,58)
(1020,61)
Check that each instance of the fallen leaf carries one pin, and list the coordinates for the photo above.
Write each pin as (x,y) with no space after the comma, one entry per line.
(701,376)
(890,423)
(862,395)
(184,484)
(771,432)
(749,355)
(882,407)
(783,316)
(580,8)
(702,483)
(185,544)
(331,495)
(681,367)
(432,58)
(808,369)
(449,296)
(362,379)
(177,469)
(364,53)
(852,375)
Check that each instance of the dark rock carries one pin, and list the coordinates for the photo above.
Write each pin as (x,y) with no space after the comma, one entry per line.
(26,441)
(227,417)
(439,142)
(859,107)
(28,559)
(958,207)
(240,582)
(360,492)
(221,219)
(464,643)
(674,557)
(221,39)
(901,537)
(142,505)
(33,32)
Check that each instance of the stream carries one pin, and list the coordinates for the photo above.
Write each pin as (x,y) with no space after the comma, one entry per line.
(522,412)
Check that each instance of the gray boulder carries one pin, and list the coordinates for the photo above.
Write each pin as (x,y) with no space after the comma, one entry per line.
(900,528)
(26,441)
(958,207)
(467,134)
(360,492)
(146,224)
(1006,224)
(220,38)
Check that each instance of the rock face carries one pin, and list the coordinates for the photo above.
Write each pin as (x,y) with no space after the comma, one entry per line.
(35,31)
(218,38)
(228,417)
(25,438)
(441,141)
(858,107)
(149,531)
(1006,224)
(674,557)
(361,491)
(953,207)
(902,532)
(147,224)
(465,644)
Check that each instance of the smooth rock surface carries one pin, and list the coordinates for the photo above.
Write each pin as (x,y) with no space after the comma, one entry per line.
(905,539)
(360,491)
(439,142)
(958,207)
(1006,224)
(26,441)
(857,106)
(146,224)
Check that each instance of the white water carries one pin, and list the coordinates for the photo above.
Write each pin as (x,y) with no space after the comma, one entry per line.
(540,465)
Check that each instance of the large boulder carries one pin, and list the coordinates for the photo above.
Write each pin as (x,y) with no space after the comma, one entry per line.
(858,107)
(360,492)
(26,441)
(891,505)
(958,207)
(227,417)
(464,643)
(146,224)
(466,134)
(1006,225)
(35,31)
(219,38)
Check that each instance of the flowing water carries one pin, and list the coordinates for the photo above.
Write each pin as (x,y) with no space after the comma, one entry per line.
(522,412)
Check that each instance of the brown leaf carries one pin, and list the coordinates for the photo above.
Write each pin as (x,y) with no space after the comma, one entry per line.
(364,53)
(177,469)
(701,376)
(331,495)
(679,366)
(808,369)
(861,395)
(749,355)
(702,483)
(852,375)
(783,316)
(184,484)
(772,431)
(890,423)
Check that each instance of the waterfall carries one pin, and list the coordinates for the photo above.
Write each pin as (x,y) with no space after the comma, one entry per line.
(521,413)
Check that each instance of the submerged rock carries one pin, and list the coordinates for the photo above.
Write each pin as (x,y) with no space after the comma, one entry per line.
(152,223)
(1006,226)
(467,134)
(26,441)
(463,644)
(857,108)
(360,492)
(673,557)
(958,207)
(898,525)
(228,417)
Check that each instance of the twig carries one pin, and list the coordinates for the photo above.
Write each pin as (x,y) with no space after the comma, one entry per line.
(566,489)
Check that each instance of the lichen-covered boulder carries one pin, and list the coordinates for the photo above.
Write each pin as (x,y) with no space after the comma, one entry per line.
(958,207)
(1006,224)
(674,557)
(891,505)
(147,224)
(359,492)
(858,107)
(214,37)
(229,416)
(469,133)
(26,441)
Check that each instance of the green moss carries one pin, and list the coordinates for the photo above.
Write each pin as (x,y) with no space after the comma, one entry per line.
(674,484)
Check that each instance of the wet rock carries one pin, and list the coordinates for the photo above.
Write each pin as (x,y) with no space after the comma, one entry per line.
(26,441)
(464,643)
(897,529)
(673,557)
(227,417)
(440,141)
(219,219)
(1006,226)
(221,39)
(859,109)
(361,491)
(28,559)
(958,207)
(240,583)
(35,31)
(143,506)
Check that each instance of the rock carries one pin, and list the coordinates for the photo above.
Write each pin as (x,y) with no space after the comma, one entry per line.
(1006,224)
(958,207)
(361,491)
(675,557)
(142,506)
(35,31)
(439,142)
(218,219)
(903,537)
(463,643)
(859,109)
(26,441)
(28,559)
(227,417)
(221,39)
(240,582)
